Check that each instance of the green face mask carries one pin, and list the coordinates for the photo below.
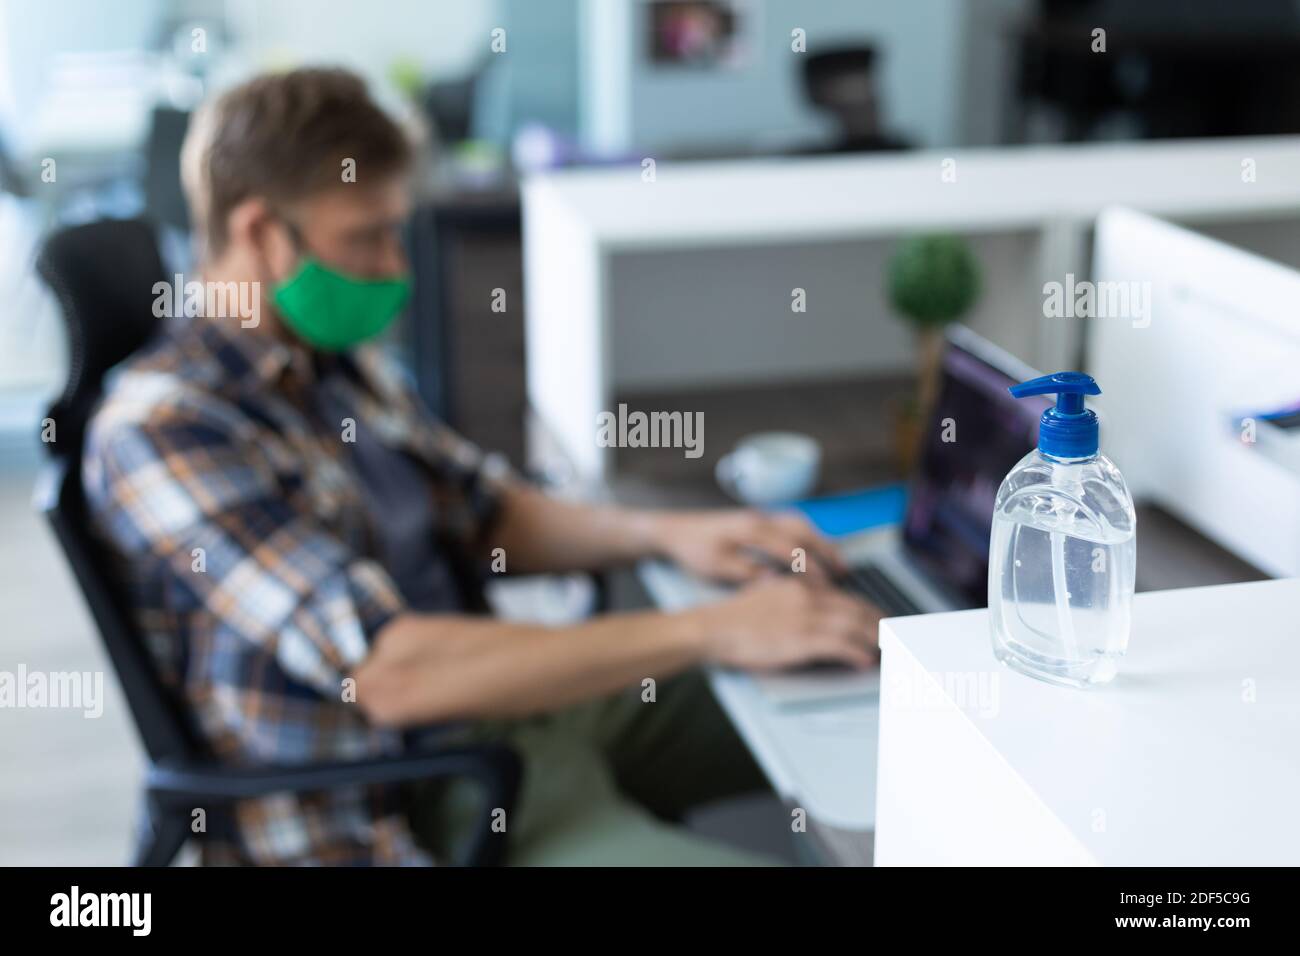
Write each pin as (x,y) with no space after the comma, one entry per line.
(332,311)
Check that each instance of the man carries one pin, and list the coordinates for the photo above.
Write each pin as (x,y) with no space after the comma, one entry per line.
(296,532)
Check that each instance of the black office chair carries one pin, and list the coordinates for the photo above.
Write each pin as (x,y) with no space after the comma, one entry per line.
(164,198)
(103,274)
(842,82)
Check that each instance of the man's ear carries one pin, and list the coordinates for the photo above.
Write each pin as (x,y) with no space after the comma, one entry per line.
(251,225)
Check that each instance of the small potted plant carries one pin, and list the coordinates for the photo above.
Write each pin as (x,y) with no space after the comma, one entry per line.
(932,280)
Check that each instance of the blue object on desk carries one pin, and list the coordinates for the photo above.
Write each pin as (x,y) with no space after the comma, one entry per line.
(837,515)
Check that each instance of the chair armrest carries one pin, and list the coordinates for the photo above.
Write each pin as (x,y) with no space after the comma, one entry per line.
(495,766)
(491,763)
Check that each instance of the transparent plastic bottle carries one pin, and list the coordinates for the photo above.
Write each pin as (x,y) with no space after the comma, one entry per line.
(1063,548)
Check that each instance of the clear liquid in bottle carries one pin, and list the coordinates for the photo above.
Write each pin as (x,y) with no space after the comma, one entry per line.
(1061,569)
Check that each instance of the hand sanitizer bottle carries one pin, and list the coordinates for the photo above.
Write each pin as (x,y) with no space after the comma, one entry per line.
(1061,560)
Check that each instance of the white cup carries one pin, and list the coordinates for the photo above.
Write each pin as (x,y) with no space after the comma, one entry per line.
(770,468)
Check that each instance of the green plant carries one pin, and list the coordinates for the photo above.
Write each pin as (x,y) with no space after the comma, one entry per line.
(407,77)
(931,280)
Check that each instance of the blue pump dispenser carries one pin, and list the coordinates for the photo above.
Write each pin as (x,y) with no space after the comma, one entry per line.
(1069,429)
(1063,547)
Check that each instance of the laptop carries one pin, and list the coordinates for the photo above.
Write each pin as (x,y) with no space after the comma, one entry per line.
(938,558)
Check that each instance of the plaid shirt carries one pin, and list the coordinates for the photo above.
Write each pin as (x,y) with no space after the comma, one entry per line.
(245,544)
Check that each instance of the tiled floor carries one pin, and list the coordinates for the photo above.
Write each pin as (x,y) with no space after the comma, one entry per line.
(67,782)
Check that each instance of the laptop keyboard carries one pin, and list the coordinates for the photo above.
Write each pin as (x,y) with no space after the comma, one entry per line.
(870,582)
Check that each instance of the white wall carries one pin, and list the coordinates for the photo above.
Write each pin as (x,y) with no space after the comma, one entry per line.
(628,104)
(605,75)
(445,38)
(537,80)
(32,33)
(985,93)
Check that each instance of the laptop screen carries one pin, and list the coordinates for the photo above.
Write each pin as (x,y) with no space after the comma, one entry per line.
(976,434)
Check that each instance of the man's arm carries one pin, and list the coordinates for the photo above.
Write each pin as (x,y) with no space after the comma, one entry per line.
(428,668)
(543,535)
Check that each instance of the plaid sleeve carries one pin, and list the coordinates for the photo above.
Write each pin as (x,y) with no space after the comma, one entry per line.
(186,488)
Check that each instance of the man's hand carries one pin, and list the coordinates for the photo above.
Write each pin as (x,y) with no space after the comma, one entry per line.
(782,622)
(738,545)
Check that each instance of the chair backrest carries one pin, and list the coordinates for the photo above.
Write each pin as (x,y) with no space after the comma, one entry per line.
(103,275)
(831,69)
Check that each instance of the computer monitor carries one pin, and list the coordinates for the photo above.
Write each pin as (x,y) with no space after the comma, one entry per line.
(1219,342)
(977,432)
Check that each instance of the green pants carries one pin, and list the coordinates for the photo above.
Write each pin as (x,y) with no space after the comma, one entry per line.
(605,781)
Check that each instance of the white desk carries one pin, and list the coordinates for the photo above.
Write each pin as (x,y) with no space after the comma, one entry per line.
(1191,757)
(577,222)
(819,757)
